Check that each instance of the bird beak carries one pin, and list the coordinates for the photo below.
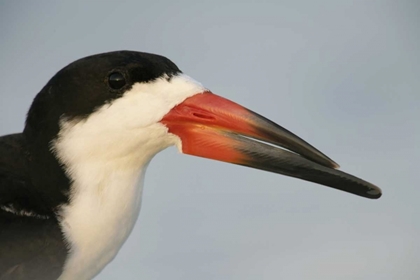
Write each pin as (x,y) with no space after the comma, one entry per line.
(213,127)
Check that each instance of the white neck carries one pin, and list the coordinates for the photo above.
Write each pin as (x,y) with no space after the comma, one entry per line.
(105,156)
(105,194)
(99,220)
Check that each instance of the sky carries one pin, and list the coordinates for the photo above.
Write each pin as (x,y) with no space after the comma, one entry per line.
(343,75)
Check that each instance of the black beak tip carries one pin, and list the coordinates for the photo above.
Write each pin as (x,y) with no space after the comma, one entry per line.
(374,193)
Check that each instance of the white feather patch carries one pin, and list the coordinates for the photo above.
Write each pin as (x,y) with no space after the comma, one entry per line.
(23,213)
(106,156)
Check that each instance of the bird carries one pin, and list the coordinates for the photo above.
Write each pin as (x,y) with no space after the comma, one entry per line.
(71,182)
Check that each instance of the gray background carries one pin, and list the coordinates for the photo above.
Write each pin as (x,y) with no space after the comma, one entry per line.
(344,75)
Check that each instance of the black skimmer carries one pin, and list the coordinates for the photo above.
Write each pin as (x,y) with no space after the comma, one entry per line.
(71,182)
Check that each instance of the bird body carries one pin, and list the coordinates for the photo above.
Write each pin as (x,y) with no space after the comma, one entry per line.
(71,183)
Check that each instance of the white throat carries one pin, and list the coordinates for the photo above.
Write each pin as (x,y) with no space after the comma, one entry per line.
(106,156)
(99,220)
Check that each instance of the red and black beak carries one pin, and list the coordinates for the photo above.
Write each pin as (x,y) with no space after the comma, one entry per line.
(213,127)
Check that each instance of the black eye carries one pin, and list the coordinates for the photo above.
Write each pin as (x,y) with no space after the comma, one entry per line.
(116,80)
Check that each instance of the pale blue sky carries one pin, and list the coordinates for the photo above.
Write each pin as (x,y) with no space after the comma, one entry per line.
(343,75)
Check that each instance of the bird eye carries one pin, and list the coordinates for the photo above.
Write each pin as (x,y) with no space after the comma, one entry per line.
(116,80)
